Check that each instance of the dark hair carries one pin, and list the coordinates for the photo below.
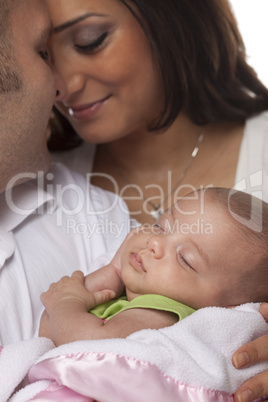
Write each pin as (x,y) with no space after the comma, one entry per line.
(63,137)
(202,60)
(248,218)
(9,76)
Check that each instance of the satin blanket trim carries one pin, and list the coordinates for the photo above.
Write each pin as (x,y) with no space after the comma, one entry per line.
(109,377)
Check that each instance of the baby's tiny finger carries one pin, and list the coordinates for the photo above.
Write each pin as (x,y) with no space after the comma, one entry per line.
(103,296)
(78,274)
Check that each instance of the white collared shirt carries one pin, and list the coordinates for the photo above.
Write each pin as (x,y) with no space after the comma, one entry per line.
(47,232)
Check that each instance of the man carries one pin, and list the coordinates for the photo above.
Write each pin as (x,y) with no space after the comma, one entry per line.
(48,224)
(28,87)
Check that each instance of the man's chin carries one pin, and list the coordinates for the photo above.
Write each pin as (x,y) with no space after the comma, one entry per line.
(31,173)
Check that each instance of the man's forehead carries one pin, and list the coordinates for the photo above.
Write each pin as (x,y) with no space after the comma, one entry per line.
(34,11)
(31,19)
(46,32)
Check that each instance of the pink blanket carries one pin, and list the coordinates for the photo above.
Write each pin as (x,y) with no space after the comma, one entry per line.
(190,361)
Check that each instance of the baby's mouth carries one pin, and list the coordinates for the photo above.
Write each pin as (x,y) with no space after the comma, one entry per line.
(136,261)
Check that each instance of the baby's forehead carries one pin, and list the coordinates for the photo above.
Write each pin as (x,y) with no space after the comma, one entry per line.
(194,203)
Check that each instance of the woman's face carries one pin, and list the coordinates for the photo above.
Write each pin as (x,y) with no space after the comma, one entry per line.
(113,82)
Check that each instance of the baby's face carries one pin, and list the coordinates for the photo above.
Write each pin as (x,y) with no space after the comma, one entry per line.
(191,255)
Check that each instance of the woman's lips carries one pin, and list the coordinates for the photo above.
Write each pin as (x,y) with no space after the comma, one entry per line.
(136,262)
(87,111)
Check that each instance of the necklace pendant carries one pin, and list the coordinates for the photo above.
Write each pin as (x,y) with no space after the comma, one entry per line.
(156,212)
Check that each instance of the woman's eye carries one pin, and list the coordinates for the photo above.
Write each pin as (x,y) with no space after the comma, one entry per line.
(91,47)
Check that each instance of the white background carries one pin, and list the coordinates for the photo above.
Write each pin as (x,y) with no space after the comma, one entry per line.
(252,17)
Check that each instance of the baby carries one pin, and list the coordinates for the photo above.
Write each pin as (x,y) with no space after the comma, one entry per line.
(210,249)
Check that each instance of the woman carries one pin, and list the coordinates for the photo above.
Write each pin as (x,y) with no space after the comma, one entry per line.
(164,89)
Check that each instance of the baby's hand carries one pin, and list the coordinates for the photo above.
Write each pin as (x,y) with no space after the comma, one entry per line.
(109,275)
(72,290)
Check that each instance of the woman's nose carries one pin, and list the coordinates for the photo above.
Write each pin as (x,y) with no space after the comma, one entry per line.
(60,87)
(73,79)
(70,76)
(74,84)
(69,79)
(156,245)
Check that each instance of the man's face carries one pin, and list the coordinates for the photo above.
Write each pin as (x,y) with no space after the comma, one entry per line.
(25,112)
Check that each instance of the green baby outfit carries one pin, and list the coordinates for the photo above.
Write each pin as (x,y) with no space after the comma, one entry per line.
(156,302)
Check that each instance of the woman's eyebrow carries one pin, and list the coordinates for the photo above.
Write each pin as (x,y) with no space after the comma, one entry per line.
(68,24)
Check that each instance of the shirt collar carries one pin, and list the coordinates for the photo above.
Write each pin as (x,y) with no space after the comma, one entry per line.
(19,202)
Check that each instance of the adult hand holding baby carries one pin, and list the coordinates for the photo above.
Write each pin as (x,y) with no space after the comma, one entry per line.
(247,355)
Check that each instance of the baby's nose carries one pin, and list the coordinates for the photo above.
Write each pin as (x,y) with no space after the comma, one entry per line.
(156,246)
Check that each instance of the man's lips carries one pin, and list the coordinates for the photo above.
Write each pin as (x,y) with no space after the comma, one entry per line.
(88,110)
(136,262)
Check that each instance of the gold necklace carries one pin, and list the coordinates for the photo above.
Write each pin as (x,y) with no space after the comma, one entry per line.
(157,209)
